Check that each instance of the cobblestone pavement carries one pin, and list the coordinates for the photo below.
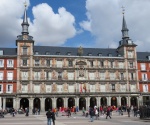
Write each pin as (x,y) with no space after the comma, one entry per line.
(75,119)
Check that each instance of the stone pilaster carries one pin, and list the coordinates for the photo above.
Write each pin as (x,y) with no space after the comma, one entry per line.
(4,103)
(0,103)
(14,103)
(42,104)
(30,104)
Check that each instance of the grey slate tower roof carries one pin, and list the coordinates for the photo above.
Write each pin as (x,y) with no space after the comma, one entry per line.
(25,23)
(124,29)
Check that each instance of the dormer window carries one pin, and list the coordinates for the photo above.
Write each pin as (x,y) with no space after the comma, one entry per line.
(110,55)
(89,54)
(47,53)
(148,57)
(129,42)
(1,52)
(36,52)
(57,53)
(99,54)
(69,53)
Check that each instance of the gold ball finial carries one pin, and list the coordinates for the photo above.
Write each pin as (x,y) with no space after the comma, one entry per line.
(123,10)
(25,4)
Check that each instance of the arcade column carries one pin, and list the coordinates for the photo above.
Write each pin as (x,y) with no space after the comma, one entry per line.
(4,103)
(30,104)
(42,104)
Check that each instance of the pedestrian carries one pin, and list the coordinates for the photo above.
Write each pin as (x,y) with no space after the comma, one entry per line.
(128,111)
(49,116)
(96,114)
(108,112)
(27,111)
(92,114)
(53,118)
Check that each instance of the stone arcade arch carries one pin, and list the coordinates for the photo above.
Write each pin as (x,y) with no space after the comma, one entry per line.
(103,101)
(60,103)
(48,104)
(82,103)
(133,101)
(93,102)
(24,103)
(123,101)
(71,102)
(37,103)
(9,102)
(114,101)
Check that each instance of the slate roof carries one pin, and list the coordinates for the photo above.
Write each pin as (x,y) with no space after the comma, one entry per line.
(9,51)
(74,51)
(141,56)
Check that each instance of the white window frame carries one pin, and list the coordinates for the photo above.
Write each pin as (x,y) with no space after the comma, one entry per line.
(143,66)
(145,88)
(1,75)
(24,88)
(1,63)
(7,89)
(11,77)
(144,76)
(24,75)
(1,90)
(10,63)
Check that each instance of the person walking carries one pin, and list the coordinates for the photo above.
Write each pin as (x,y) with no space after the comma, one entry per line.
(49,116)
(92,113)
(128,111)
(108,112)
(96,114)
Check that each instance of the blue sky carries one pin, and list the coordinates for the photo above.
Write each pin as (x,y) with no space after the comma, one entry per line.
(87,23)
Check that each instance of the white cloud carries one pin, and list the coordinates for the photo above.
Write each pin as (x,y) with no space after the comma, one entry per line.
(10,20)
(49,28)
(105,21)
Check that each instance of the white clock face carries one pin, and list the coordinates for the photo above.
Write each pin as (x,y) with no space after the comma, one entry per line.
(129,41)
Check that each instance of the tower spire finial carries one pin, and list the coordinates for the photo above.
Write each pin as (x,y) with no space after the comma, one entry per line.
(25,23)
(124,26)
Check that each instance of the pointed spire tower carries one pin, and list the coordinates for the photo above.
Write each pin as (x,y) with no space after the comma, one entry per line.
(124,27)
(25,23)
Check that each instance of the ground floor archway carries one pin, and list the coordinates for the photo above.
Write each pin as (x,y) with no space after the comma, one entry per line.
(24,103)
(93,102)
(60,103)
(114,101)
(123,101)
(48,104)
(133,101)
(37,103)
(103,101)
(82,103)
(9,102)
(71,102)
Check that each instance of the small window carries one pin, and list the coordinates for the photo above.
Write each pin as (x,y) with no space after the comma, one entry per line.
(113,86)
(1,88)
(89,54)
(37,62)
(36,52)
(24,61)
(69,53)
(1,52)
(148,57)
(59,75)
(48,62)
(70,63)
(24,50)
(47,53)
(1,63)
(57,53)
(99,54)
(110,55)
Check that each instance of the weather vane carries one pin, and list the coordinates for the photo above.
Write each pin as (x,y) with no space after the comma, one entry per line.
(123,9)
(25,4)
